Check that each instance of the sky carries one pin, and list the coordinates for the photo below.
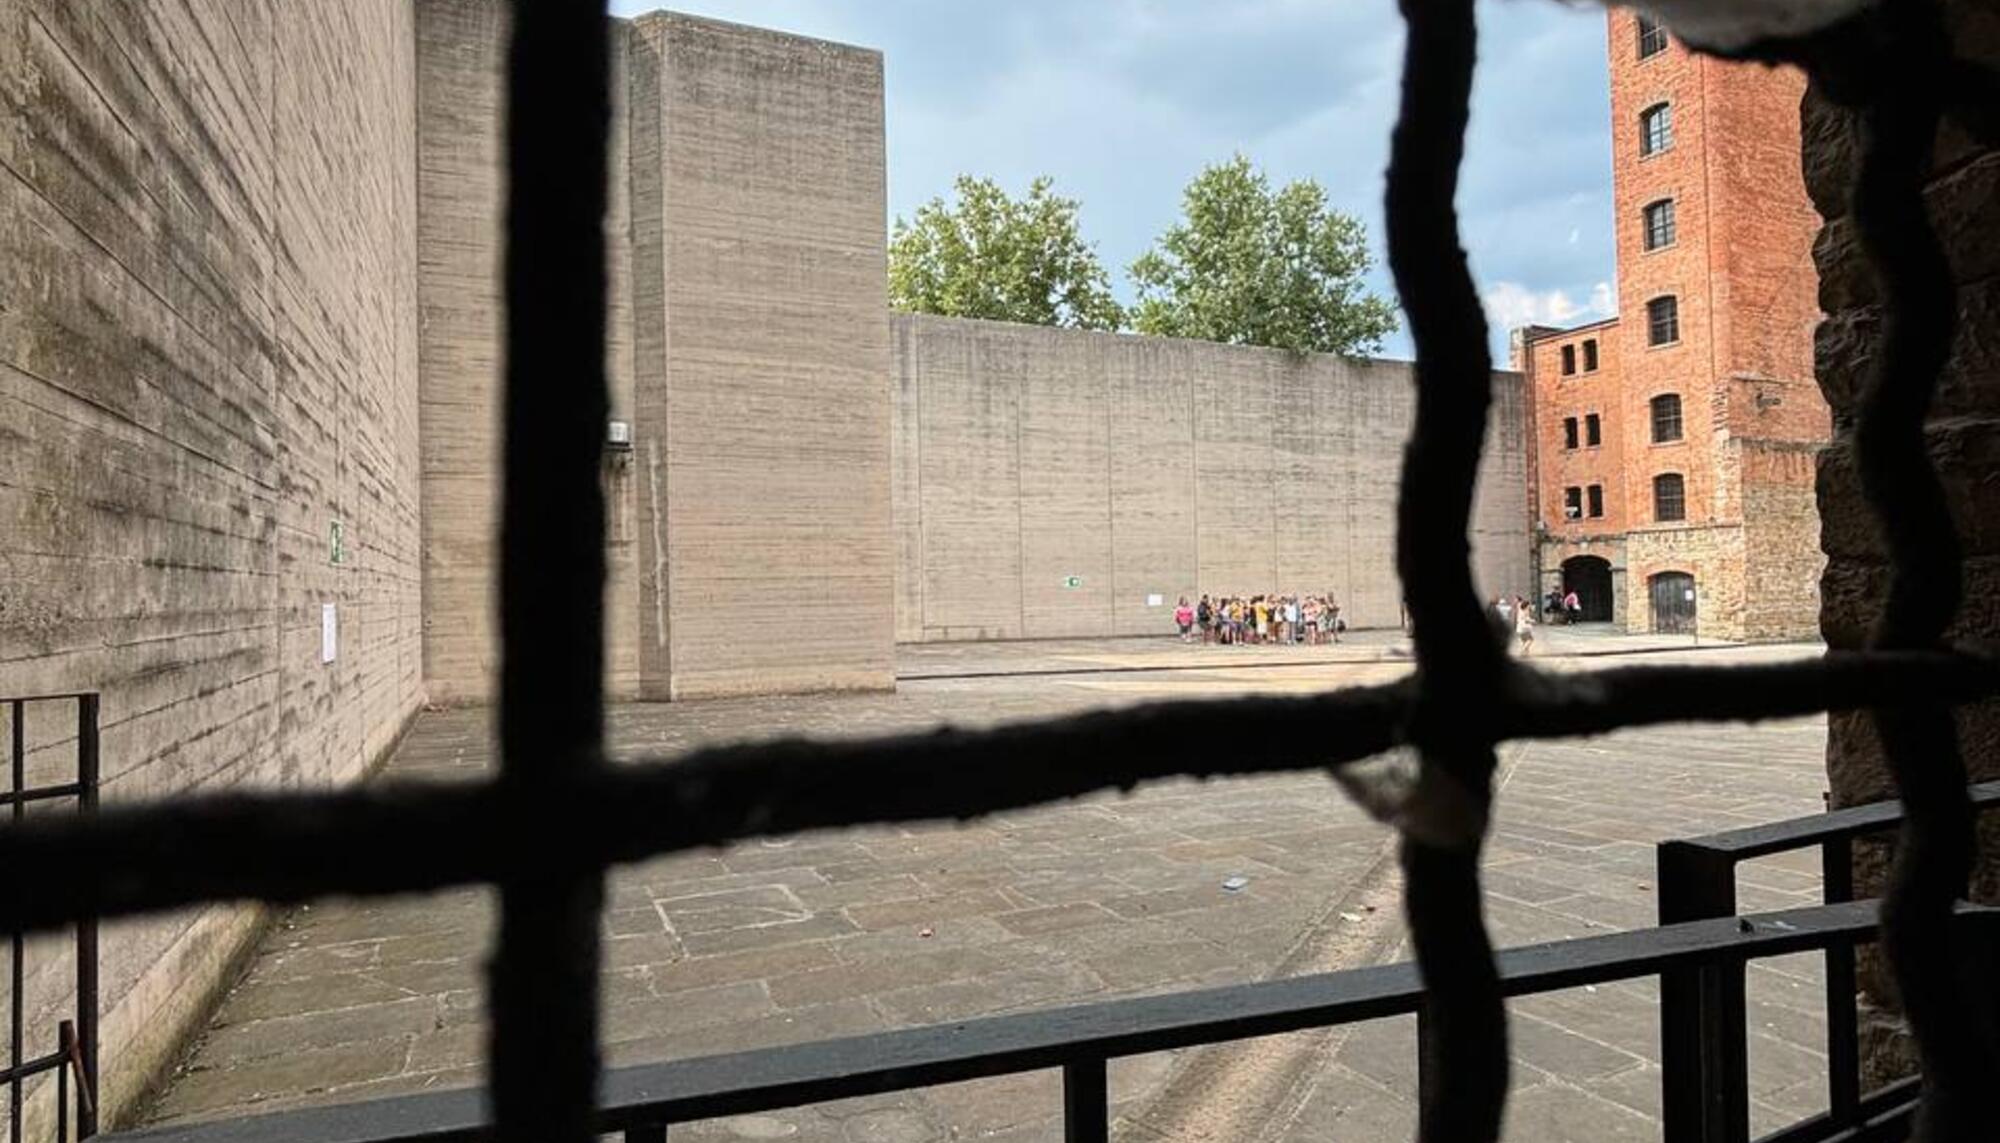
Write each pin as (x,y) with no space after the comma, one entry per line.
(1121,102)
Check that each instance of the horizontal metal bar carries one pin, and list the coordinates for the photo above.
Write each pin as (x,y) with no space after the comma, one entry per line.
(745,1082)
(34,1067)
(41,794)
(294,847)
(1878,1113)
(1801,833)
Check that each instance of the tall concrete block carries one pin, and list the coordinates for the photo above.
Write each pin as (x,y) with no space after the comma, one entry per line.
(461,51)
(208,357)
(763,392)
(1055,483)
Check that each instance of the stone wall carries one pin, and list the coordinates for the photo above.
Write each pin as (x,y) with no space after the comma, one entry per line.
(1964,437)
(208,356)
(1050,482)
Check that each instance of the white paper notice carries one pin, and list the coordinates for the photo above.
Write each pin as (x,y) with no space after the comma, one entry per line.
(329,631)
(1155,600)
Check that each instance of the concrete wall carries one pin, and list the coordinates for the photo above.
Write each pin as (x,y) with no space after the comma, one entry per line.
(1026,458)
(460,156)
(208,354)
(1964,442)
(762,412)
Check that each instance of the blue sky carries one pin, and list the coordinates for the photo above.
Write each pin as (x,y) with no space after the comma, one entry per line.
(1122,101)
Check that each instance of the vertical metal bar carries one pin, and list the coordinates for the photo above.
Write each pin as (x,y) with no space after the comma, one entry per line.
(1426,1078)
(1843,1033)
(543,1058)
(651,1133)
(1699,1052)
(18,773)
(66,1045)
(1086,1102)
(87,770)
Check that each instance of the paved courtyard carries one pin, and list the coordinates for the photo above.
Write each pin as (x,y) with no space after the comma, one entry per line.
(868,929)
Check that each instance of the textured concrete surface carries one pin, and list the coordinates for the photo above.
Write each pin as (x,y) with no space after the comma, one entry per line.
(1048,482)
(208,356)
(859,930)
(762,430)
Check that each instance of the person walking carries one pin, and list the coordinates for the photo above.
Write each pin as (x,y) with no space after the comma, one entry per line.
(1524,625)
(1572,608)
(1184,619)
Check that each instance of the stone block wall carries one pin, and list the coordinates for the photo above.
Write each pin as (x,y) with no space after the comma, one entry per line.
(1964,439)
(1049,482)
(208,356)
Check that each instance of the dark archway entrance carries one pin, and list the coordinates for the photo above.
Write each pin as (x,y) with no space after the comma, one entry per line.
(1673,603)
(1590,578)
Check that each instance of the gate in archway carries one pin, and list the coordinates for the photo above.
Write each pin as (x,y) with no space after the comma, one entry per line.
(1673,603)
(1590,578)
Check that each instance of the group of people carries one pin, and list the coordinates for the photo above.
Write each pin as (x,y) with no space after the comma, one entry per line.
(1563,605)
(1311,619)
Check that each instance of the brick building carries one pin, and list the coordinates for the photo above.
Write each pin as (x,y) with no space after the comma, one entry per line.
(1672,473)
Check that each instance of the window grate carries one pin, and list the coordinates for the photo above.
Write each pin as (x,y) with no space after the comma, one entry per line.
(1465,697)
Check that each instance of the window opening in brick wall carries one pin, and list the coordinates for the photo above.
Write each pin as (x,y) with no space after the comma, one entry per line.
(1669,497)
(1593,430)
(1573,503)
(1569,359)
(1590,355)
(1663,320)
(1596,501)
(1666,418)
(1660,230)
(1652,38)
(1656,129)
(1569,432)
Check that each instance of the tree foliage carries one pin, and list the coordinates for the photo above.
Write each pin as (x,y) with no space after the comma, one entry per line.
(1252,267)
(989,255)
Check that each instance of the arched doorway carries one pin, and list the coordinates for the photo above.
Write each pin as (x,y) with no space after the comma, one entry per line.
(1673,603)
(1590,578)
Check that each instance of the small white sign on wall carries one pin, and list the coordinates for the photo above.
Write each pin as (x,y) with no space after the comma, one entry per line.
(1155,600)
(329,631)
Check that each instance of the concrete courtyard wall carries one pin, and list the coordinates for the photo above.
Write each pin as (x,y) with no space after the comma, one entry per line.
(1049,482)
(208,356)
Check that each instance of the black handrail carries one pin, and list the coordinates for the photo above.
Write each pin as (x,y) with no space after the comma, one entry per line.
(641,1100)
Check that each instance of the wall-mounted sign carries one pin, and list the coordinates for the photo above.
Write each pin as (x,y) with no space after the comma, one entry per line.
(336,543)
(329,631)
(1073,581)
(1156,600)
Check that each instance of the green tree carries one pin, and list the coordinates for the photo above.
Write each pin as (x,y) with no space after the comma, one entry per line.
(1250,267)
(988,255)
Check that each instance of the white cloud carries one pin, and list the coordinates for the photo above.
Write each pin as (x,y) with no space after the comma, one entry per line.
(1510,305)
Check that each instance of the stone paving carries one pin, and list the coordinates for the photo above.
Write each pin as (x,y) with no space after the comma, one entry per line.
(868,929)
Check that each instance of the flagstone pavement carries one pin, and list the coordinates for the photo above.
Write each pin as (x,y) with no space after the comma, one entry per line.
(860,930)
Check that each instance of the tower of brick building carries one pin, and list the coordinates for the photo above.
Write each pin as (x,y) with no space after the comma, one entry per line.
(1672,476)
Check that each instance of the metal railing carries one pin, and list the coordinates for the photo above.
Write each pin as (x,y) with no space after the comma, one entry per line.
(1703,1024)
(75,1054)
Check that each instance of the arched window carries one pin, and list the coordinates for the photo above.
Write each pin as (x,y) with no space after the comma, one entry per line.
(1666,418)
(1669,497)
(1652,38)
(1660,224)
(1663,321)
(1656,129)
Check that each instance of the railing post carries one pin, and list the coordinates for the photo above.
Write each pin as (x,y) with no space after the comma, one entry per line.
(651,1133)
(86,929)
(1086,1102)
(1843,1033)
(1704,1052)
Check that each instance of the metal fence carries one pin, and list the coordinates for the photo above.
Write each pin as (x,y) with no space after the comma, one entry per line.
(1892,64)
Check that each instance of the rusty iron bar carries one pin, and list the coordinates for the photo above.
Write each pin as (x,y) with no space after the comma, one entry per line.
(290,847)
(1460,663)
(542,977)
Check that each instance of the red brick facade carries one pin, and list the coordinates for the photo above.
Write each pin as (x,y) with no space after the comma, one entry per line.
(1705,384)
